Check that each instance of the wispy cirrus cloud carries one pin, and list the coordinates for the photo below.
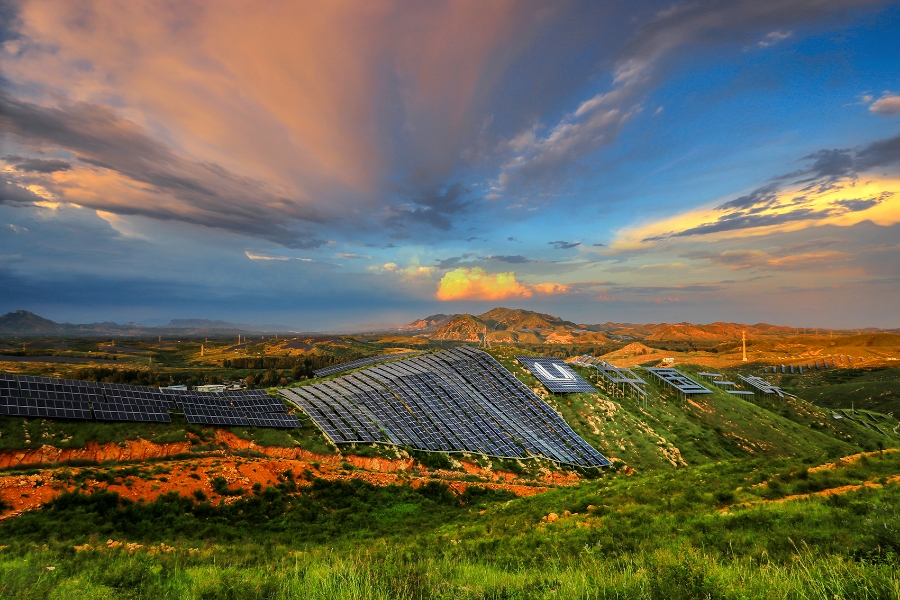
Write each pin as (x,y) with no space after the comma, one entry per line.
(542,156)
(839,187)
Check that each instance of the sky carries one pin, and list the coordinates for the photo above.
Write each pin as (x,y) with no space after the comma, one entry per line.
(343,165)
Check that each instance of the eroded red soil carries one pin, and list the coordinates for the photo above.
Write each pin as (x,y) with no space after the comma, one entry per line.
(27,492)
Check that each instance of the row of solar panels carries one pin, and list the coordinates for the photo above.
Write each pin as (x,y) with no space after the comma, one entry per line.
(459,400)
(360,362)
(678,380)
(28,396)
(556,375)
(622,378)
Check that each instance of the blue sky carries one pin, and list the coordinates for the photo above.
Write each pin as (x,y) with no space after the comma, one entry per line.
(341,166)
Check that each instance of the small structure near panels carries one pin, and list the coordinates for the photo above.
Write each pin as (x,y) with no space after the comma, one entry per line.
(680,382)
(556,375)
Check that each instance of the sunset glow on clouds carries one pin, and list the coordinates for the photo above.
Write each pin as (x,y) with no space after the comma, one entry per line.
(476,284)
(843,203)
(324,164)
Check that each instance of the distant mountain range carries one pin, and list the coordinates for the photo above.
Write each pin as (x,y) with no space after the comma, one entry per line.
(525,326)
(27,324)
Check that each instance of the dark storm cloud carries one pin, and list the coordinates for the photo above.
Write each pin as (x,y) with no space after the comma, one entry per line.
(207,193)
(563,245)
(40,165)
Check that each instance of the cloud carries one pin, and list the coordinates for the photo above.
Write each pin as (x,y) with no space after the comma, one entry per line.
(888,104)
(349,255)
(597,245)
(454,261)
(839,187)
(430,206)
(40,165)
(149,178)
(517,259)
(563,245)
(756,259)
(477,284)
(773,37)
(268,257)
(542,156)
(17,195)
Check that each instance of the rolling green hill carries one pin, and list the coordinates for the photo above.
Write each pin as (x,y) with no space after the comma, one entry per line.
(712,497)
(666,432)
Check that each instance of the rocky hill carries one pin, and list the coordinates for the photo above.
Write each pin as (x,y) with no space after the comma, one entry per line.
(463,328)
(428,323)
(23,322)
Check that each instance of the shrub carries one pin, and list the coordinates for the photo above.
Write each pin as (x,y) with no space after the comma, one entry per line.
(220,486)
(724,497)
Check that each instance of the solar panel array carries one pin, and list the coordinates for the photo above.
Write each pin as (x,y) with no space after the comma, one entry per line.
(622,379)
(459,400)
(132,403)
(556,375)
(45,397)
(232,408)
(361,362)
(760,384)
(678,380)
(28,396)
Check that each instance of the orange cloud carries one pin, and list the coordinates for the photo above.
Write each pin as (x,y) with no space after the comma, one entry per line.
(291,93)
(478,284)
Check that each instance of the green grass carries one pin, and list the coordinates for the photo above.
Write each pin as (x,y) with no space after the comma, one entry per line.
(660,535)
(671,432)
(17,433)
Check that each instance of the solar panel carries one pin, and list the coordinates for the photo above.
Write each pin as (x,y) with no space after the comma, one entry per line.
(126,411)
(42,407)
(761,385)
(555,374)
(679,381)
(615,378)
(361,362)
(206,414)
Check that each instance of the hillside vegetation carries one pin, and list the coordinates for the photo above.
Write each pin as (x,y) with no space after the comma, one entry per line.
(714,496)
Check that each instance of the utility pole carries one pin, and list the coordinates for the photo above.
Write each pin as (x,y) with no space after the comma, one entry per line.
(744,344)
